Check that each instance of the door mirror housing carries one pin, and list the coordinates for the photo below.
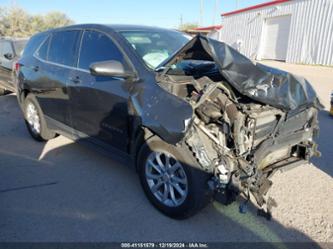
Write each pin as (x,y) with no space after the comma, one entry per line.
(110,68)
(8,56)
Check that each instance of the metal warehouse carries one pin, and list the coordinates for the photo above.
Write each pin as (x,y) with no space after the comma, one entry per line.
(294,31)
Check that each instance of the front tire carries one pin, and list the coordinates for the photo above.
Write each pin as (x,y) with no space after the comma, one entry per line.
(172,179)
(35,121)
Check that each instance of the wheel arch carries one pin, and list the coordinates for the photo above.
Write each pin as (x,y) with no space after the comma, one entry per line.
(141,136)
(22,94)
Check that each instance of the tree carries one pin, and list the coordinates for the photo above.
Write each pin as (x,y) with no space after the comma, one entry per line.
(188,26)
(56,19)
(16,22)
(37,23)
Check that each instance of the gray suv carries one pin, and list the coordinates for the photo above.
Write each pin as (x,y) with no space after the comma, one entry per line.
(10,51)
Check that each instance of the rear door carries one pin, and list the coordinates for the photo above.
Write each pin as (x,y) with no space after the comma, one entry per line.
(98,106)
(57,57)
(6,65)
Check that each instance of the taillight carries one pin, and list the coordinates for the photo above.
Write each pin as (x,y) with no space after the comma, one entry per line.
(17,67)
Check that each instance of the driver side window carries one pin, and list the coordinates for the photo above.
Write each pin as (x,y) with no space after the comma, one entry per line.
(97,47)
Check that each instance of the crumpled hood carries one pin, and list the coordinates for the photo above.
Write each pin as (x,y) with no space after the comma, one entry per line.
(261,83)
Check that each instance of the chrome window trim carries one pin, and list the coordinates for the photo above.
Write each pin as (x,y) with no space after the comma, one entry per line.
(60,65)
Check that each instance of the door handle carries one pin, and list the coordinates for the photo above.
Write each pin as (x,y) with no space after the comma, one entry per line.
(75,80)
(35,68)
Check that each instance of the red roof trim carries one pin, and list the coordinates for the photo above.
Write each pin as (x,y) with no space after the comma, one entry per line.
(255,7)
(216,27)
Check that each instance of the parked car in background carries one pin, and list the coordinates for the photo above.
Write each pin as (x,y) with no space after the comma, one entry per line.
(10,52)
(197,118)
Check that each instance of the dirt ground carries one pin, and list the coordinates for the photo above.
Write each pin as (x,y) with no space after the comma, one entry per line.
(62,191)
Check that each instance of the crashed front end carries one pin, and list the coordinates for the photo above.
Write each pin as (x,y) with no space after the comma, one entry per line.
(243,145)
(249,120)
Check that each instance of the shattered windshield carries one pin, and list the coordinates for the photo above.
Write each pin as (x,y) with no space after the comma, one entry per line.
(155,46)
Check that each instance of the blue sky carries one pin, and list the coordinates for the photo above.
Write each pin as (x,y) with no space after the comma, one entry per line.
(163,13)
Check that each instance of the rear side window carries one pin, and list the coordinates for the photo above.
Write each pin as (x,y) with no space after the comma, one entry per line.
(34,43)
(97,47)
(63,47)
(42,51)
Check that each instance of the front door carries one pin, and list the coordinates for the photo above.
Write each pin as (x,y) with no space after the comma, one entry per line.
(98,104)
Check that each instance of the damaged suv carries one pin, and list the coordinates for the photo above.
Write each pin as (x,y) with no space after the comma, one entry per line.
(198,119)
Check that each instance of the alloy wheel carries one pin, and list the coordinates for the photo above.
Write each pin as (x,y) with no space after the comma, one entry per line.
(166,179)
(32,117)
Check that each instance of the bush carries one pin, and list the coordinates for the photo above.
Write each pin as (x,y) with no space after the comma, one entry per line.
(16,22)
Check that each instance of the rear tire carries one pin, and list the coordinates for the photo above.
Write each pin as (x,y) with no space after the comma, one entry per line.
(35,121)
(188,179)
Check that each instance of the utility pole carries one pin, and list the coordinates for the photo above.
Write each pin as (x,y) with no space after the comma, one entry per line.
(181,21)
(201,12)
(237,4)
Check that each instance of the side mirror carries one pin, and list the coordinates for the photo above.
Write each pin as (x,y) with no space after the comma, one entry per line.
(8,56)
(110,68)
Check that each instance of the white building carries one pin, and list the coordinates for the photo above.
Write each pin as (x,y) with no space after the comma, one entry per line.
(211,31)
(295,31)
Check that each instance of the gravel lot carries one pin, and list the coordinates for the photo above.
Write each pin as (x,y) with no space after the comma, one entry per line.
(61,191)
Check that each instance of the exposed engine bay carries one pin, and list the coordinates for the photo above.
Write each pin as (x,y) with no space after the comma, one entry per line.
(242,142)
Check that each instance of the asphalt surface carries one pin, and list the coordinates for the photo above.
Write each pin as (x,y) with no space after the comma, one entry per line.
(61,191)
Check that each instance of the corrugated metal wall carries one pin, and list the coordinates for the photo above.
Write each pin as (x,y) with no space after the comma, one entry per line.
(311,30)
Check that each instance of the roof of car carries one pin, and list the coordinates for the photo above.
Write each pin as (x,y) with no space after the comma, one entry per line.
(123,27)
(115,27)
